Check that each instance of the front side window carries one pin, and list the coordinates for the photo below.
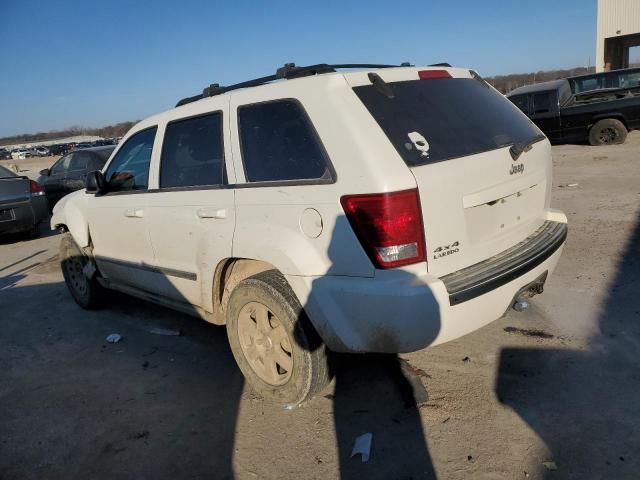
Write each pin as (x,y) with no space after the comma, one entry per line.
(279,143)
(193,153)
(79,161)
(542,102)
(129,169)
(522,102)
(61,165)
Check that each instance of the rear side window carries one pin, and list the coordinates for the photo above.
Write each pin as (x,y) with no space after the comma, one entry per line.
(438,119)
(129,169)
(193,154)
(279,143)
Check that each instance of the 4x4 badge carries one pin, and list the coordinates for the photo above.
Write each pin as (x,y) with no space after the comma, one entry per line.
(446,250)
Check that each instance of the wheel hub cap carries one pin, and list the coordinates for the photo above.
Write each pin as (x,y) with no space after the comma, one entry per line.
(265,343)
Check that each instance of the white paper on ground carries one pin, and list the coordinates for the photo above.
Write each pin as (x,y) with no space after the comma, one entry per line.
(362,446)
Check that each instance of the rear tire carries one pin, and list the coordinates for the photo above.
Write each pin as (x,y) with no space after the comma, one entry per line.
(273,342)
(87,293)
(608,132)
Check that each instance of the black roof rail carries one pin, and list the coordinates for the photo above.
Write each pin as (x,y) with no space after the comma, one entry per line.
(286,72)
(444,64)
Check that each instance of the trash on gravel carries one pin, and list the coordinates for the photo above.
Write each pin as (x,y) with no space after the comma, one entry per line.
(550,466)
(572,185)
(362,446)
(165,331)
(114,338)
(466,359)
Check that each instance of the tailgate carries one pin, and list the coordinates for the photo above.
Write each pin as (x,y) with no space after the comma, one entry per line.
(456,133)
(474,208)
(14,190)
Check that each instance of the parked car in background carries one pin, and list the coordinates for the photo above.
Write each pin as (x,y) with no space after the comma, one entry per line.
(23,203)
(68,173)
(5,154)
(20,154)
(40,152)
(83,145)
(58,149)
(627,78)
(380,210)
(601,116)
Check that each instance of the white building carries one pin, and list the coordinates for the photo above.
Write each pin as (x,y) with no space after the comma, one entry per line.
(618,30)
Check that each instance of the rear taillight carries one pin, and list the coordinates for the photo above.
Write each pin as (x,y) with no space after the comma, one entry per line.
(430,74)
(388,225)
(35,188)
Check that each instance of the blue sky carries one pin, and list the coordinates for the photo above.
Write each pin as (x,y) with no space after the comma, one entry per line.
(87,63)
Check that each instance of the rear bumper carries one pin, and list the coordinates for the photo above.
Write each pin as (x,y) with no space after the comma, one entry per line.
(25,215)
(397,312)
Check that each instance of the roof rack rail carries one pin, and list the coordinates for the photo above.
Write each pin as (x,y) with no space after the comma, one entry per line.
(286,72)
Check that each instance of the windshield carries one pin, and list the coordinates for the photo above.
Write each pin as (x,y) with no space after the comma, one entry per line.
(439,119)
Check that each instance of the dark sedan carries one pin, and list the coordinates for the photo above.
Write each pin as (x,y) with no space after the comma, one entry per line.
(69,172)
(23,204)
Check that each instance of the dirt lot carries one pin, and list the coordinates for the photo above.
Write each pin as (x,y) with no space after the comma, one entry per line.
(559,383)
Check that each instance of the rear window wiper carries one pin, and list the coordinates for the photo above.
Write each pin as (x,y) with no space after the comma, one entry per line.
(380,85)
(518,149)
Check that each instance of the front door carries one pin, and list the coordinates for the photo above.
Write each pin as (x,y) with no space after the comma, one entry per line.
(546,114)
(54,183)
(191,216)
(117,225)
(77,172)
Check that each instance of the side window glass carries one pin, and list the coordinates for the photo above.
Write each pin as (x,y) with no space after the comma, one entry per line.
(522,102)
(279,143)
(61,166)
(129,169)
(193,153)
(79,161)
(541,102)
(630,80)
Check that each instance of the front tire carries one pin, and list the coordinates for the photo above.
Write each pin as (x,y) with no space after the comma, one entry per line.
(273,342)
(608,132)
(87,292)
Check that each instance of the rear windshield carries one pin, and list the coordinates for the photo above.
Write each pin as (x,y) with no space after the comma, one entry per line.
(5,172)
(432,120)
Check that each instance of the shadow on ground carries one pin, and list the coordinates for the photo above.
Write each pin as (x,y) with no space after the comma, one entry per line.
(580,403)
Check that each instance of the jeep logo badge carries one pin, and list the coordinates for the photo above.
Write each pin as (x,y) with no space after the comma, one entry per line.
(519,168)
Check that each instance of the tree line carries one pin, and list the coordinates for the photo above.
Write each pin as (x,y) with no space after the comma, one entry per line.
(503,83)
(506,83)
(110,131)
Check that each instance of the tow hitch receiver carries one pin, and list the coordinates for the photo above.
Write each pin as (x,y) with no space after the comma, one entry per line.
(520,302)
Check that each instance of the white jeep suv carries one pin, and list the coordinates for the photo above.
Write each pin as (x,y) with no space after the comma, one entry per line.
(383,209)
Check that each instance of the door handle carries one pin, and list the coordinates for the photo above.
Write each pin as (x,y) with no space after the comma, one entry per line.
(134,213)
(211,213)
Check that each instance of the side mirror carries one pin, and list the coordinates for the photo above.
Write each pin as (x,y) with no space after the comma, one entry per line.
(95,183)
(45,173)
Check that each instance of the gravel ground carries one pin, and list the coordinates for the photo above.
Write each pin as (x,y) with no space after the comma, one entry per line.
(549,393)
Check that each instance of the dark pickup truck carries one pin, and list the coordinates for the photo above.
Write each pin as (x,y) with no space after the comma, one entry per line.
(602,116)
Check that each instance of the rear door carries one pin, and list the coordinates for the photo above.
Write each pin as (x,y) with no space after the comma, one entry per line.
(454,132)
